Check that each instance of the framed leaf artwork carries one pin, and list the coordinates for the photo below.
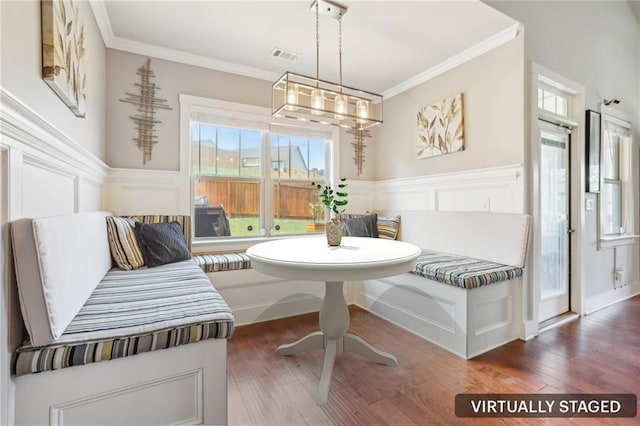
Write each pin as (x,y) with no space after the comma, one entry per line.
(441,128)
(63,65)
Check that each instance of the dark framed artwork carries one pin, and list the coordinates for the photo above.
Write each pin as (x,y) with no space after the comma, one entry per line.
(592,153)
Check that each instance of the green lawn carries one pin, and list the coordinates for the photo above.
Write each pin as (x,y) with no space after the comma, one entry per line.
(287,226)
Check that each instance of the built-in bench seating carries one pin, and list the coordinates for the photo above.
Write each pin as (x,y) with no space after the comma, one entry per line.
(461,271)
(465,293)
(221,262)
(79,311)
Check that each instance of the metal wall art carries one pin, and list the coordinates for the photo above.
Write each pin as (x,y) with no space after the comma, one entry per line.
(441,128)
(359,146)
(63,67)
(147,104)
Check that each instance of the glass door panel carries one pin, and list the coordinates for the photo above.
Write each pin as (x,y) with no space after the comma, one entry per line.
(554,224)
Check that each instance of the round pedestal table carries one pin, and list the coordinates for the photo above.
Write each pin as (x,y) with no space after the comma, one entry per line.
(356,259)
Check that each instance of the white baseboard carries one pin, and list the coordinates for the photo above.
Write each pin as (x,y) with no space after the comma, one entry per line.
(604,300)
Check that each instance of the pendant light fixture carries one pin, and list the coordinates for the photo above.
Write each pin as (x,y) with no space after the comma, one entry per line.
(311,99)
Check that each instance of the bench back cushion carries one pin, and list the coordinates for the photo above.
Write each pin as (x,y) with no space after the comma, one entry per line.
(497,237)
(183,220)
(59,261)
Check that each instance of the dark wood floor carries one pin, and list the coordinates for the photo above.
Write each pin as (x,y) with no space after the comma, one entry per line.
(599,353)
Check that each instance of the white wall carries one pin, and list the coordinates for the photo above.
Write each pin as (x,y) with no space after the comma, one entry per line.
(50,160)
(492,85)
(596,44)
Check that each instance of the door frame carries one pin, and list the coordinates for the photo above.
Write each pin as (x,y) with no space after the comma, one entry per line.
(576,117)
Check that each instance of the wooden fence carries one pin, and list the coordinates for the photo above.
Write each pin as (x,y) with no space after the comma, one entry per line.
(241,198)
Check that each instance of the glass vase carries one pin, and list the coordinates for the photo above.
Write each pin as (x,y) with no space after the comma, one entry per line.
(334,232)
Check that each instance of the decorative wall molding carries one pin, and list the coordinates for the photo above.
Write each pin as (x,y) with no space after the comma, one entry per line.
(361,193)
(145,49)
(133,191)
(474,51)
(496,189)
(23,128)
(192,380)
(43,172)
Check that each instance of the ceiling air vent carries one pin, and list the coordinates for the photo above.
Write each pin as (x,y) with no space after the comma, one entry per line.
(285,54)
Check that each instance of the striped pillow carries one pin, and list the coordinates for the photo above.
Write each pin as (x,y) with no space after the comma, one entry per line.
(388,227)
(123,243)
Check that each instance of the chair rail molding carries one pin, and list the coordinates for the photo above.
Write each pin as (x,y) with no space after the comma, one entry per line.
(25,129)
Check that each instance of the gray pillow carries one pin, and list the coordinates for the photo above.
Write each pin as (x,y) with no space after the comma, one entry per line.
(365,226)
(161,243)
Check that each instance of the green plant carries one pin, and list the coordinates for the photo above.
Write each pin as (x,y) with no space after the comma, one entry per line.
(333,199)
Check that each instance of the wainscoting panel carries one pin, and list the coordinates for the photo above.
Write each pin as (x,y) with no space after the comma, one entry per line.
(361,195)
(42,173)
(147,192)
(89,194)
(46,191)
(182,385)
(499,189)
(184,391)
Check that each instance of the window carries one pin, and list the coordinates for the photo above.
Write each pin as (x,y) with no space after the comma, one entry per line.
(296,162)
(553,100)
(226,180)
(616,199)
(253,178)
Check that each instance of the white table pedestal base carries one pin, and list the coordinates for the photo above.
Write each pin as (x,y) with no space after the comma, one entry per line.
(334,339)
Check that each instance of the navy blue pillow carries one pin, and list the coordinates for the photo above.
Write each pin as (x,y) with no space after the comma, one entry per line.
(365,226)
(161,243)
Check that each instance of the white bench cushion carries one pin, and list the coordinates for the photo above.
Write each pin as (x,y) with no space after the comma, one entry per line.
(59,261)
(497,237)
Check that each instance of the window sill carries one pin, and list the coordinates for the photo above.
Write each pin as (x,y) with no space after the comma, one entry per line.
(616,241)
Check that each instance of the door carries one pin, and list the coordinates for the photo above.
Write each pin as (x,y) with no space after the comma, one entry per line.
(555,225)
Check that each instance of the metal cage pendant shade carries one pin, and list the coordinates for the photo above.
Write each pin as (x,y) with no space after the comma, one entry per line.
(310,99)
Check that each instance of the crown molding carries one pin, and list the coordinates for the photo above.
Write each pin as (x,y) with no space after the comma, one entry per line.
(154,51)
(146,49)
(474,51)
(102,19)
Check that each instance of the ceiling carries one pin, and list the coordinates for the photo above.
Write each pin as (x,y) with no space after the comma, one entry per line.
(388,46)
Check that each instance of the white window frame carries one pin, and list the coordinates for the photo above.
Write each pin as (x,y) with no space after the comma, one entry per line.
(235,114)
(550,86)
(625,180)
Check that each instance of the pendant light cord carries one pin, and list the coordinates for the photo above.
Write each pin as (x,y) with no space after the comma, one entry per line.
(317,41)
(340,48)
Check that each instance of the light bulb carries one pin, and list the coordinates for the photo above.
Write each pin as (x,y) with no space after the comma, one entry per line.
(340,106)
(292,96)
(317,101)
(362,108)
